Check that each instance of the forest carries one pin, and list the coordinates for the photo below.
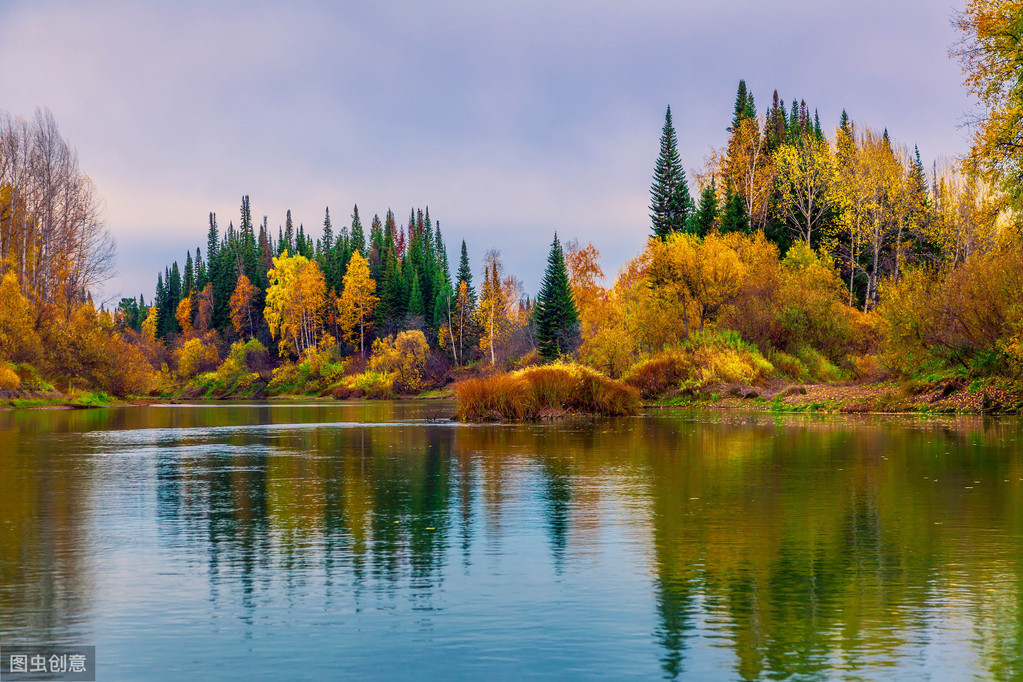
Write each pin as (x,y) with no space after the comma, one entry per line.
(796,253)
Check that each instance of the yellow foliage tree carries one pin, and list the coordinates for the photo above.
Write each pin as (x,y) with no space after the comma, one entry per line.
(19,341)
(195,356)
(806,178)
(358,301)
(184,314)
(149,325)
(241,305)
(749,169)
(585,275)
(991,54)
(204,316)
(403,356)
(294,303)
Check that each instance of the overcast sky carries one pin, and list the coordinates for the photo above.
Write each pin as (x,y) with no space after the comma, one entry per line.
(509,120)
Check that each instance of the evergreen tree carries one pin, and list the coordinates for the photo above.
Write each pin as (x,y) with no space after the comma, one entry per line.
(707,213)
(416,304)
(201,277)
(745,107)
(556,317)
(734,218)
(212,239)
(289,234)
(670,202)
(188,279)
(357,238)
(465,274)
(845,124)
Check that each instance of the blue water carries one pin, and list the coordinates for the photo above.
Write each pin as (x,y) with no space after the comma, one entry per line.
(366,541)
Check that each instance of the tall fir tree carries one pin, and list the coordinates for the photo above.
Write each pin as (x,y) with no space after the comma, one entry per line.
(357,236)
(705,218)
(188,277)
(465,274)
(555,315)
(670,202)
(744,107)
(733,216)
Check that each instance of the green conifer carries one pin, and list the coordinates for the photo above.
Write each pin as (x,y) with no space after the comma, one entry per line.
(555,315)
(670,202)
(707,213)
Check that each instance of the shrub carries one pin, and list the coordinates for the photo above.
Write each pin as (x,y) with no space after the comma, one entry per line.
(536,392)
(704,359)
(9,381)
(195,356)
(372,384)
(403,357)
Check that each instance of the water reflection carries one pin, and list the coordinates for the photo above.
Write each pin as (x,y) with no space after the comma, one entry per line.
(675,543)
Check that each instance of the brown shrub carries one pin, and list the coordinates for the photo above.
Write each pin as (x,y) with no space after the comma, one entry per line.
(538,391)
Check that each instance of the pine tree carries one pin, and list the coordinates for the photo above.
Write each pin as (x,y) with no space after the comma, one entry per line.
(707,213)
(289,234)
(670,202)
(465,274)
(357,237)
(188,280)
(556,317)
(744,107)
(733,217)
(416,304)
(212,238)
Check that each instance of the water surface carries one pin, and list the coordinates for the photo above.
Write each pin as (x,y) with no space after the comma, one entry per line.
(365,540)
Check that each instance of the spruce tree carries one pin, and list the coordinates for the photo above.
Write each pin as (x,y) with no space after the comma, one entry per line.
(212,239)
(670,202)
(555,315)
(357,237)
(707,213)
(733,217)
(188,278)
(744,107)
(465,274)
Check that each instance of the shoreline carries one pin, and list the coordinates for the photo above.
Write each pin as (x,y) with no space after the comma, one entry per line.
(842,398)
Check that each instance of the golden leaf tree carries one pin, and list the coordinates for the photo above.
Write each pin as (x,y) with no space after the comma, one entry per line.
(749,169)
(184,314)
(991,55)
(18,339)
(357,302)
(806,179)
(294,303)
(241,305)
(585,275)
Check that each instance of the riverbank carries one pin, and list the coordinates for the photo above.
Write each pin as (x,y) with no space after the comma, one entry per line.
(990,396)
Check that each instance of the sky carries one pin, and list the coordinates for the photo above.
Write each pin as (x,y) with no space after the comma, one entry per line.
(509,120)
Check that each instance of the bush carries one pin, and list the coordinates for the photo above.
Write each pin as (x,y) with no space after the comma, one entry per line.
(704,359)
(404,358)
(372,384)
(542,391)
(195,356)
(9,381)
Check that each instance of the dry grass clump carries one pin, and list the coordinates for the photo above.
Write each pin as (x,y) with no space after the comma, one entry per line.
(538,392)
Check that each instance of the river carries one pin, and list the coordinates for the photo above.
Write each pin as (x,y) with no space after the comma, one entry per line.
(374,540)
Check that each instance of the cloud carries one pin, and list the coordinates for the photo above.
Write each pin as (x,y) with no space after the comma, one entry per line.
(510,120)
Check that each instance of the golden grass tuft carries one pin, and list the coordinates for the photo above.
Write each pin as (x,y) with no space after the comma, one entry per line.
(537,392)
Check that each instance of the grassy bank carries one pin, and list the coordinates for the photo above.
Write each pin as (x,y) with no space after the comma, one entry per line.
(950,396)
(544,392)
